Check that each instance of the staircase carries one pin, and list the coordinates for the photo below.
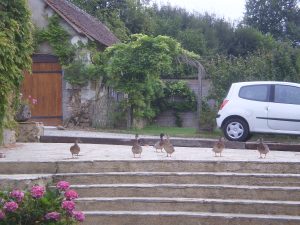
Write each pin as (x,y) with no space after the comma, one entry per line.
(152,192)
(148,192)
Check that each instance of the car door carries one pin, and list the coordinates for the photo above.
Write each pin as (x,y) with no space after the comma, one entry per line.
(255,101)
(284,111)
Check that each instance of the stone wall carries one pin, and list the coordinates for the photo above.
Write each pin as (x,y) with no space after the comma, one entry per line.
(9,137)
(30,131)
(91,105)
(189,119)
(167,119)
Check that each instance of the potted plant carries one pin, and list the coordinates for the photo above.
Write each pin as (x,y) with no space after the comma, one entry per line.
(23,112)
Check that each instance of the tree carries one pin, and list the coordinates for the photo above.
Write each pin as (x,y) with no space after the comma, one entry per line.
(137,17)
(134,68)
(281,18)
(193,40)
(280,64)
(108,12)
(247,40)
(15,51)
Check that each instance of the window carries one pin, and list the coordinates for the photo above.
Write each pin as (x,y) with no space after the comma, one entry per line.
(287,94)
(255,92)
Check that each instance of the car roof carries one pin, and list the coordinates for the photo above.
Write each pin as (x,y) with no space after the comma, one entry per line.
(265,82)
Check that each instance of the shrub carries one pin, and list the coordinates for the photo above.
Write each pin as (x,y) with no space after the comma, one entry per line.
(40,206)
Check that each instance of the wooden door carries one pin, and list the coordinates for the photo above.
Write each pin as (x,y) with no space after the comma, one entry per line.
(44,85)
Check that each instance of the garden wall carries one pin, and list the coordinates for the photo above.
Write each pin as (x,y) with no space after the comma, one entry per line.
(189,119)
(91,105)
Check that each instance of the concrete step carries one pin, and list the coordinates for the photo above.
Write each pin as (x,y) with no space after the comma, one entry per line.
(190,204)
(178,142)
(184,218)
(125,139)
(190,191)
(23,181)
(182,178)
(168,165)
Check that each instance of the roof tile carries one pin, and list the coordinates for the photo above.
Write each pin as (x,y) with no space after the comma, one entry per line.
(84,22)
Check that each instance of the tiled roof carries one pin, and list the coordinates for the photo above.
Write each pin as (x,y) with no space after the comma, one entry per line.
(82,22)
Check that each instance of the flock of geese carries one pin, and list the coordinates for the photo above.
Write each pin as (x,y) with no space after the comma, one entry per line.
(166,145)
(218,147)
(262,148)
(160,145)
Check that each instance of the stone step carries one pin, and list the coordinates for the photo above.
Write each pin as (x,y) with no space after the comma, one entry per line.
(190,204)
(190,191)
(23,181)
(59,137)
(168,165)
(184,218)
(182,178)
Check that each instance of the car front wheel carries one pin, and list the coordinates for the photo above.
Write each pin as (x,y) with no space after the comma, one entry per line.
(236,129)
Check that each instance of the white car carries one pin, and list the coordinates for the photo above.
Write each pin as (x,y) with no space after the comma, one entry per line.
(260,107)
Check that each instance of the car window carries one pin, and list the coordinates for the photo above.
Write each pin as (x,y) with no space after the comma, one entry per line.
(255,92)
(287,94)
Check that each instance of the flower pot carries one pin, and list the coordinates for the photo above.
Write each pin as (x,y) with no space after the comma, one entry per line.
(23,114)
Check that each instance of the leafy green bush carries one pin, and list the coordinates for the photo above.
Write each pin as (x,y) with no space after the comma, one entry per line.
(207,117)
(79,73)
(15,51)
(176,96)
(40,206)
(186,97)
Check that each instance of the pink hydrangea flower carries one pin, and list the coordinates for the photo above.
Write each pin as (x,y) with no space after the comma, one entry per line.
(34,101)
(78,215)
(52,216)
(17,194)
(2,215)
(68,205)
(10,206)
(71,195)
(63,185)
(37,191)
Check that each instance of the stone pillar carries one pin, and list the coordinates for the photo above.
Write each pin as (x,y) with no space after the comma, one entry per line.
(9,137)
(30,131)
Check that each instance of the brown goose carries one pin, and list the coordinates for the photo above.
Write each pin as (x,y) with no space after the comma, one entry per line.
(262,148)
(160,143)
(219,147)
(169,148)
(75,149)
(136,147)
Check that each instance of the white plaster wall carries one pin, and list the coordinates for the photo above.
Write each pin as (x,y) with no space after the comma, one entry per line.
(38,15)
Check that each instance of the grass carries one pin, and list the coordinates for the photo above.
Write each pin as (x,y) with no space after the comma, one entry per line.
(192,132)
(177,132)
(172,131)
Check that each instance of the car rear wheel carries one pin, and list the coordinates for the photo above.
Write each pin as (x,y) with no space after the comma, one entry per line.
(236,129)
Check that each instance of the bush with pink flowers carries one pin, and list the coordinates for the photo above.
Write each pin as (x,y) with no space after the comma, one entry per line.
(40,206)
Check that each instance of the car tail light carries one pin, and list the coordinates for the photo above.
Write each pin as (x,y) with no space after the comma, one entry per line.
(223,104)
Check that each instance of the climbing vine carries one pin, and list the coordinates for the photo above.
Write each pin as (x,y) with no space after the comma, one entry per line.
(79,73)
(72,57)
(59,40)
(177,96)
(15,54)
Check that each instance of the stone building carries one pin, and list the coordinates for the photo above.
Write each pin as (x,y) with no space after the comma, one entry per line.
(58,101)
